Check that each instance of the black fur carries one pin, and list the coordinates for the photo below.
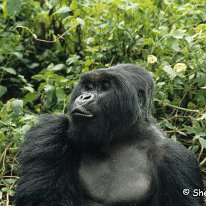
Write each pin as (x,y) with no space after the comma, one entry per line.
(107,151)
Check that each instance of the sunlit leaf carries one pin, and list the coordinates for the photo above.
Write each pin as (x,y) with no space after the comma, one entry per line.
(202,142)
(58,67)
(30,89)
(72,59)
(81,21)
(169,71)
(63,9)
(9,70)
(17,106)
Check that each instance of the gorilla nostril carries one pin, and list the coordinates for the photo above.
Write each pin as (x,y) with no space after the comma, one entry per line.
(84,99)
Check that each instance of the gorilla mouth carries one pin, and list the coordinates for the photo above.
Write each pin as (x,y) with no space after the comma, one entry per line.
(79,111)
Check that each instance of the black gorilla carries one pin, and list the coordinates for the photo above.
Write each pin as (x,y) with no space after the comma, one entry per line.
(107,151)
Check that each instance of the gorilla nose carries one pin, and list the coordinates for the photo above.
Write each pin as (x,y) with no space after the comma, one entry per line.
(84,99)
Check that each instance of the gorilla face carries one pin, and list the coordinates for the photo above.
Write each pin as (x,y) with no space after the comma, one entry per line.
(109,101)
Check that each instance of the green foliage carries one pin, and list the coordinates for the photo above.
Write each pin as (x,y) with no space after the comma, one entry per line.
(45,46)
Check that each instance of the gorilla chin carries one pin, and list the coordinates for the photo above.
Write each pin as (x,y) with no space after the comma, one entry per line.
(107,150)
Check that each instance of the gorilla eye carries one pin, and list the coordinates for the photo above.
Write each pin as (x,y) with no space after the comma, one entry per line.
(88,86)
(105,85)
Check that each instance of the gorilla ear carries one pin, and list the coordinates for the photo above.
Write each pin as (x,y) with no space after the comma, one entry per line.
(141,97)
(144,102)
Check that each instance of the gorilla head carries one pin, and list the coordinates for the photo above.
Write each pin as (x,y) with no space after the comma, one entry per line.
(111,100)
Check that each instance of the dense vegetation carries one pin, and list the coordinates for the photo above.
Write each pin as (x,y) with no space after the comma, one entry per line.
(46,44)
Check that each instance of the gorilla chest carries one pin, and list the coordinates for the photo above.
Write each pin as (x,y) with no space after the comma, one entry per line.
(123,177)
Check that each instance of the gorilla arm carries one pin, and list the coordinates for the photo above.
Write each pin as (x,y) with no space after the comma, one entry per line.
(46,163)
(178,170)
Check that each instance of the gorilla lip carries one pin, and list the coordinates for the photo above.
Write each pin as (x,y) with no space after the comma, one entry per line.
(81,112)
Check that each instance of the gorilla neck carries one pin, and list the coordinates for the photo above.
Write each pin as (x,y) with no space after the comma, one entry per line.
(135,132)
(101,145)
(94,141)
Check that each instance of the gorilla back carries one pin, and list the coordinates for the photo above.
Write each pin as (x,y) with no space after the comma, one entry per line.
(107,150)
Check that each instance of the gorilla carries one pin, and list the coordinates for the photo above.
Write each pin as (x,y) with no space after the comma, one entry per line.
(107,150)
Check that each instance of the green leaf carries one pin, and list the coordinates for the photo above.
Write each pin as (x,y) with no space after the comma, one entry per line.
(189,39)
(8,190)
(17,106)
(18,54)
(81,21)
(2,137)
(178,34)
(202,142)
(144,41)
(30,89)
(196,125)
(201,78)
(89,40)
(48,88)
(72,59)
(9,70)
(58,67)
(3,90)
(33,65)
(169,71)
(173,44)
(38,77)
(60,94)
(203,116)
(13,7)
(31,97)
(169,125)
(50,96)
(190,129)
(63,9)
(10,181)
(74,5)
